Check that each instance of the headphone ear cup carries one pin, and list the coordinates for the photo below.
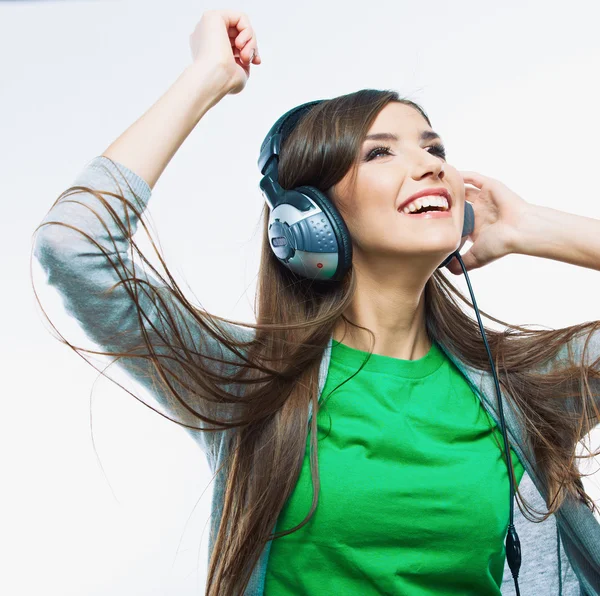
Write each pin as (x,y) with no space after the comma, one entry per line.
(340,230)
(468,220)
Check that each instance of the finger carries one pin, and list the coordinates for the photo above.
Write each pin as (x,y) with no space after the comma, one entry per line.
(243,38)
(472,195)
(248,53)
(473,178)
(232,20)
(246,43)
(235,19)
(234,34)
(470,261)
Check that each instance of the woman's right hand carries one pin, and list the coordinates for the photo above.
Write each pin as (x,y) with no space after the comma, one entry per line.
(224,43)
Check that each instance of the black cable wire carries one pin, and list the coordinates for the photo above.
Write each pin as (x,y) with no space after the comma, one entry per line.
(513,545)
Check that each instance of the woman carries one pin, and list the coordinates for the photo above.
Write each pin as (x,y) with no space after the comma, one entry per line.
(414,481)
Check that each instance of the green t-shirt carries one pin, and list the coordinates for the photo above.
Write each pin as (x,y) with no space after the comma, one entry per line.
(414,496)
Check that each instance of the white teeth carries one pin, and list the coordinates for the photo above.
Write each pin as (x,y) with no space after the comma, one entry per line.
(430,200)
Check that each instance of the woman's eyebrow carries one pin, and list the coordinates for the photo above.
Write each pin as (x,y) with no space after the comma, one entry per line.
(426,135)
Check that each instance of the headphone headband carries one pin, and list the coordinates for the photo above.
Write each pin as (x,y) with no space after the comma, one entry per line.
(280,130)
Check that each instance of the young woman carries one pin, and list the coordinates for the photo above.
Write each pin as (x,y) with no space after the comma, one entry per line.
(405,437)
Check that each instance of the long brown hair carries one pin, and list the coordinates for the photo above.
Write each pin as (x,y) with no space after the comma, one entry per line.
(260,390)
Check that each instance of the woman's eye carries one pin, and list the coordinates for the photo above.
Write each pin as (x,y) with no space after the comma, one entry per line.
(437,149)
(377,150)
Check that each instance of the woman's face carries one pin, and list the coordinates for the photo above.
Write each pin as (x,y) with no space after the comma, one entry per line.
(385,179)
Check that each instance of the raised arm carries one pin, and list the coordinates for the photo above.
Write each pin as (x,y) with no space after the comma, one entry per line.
(84,241)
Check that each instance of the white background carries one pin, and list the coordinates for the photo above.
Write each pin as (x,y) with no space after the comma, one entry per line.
(512,87)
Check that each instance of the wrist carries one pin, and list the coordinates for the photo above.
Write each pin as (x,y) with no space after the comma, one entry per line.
(560,236)
(209,83)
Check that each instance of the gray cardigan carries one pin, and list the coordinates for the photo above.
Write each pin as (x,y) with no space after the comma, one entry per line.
(559,556)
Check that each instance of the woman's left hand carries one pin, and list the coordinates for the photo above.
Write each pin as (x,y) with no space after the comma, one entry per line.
(498,211)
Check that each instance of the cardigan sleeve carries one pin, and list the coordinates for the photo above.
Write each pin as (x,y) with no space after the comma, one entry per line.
(96,288)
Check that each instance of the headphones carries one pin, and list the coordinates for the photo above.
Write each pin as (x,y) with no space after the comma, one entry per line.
(306,231)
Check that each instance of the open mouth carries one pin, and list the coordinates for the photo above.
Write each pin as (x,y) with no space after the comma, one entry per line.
(429,212)
(428,209)
(434,202)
